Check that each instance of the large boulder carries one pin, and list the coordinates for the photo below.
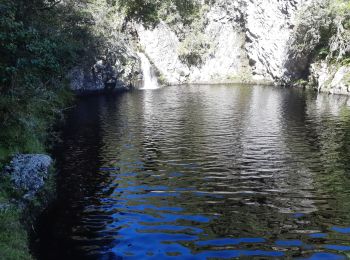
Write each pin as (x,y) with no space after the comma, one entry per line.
(331,78)
(28,173)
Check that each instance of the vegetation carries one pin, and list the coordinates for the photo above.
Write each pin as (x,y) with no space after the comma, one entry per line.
(195,45)
(340,42)
(13,239)
(194,48)
(15,222)
(149,12)
(321,35)
(334,33)
(39,42)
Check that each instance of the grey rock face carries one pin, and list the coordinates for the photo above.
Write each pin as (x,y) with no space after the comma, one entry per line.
(331,78)
(249,39)
(330,74)
(312,19)
(268,41)
(161,45)
(225,59)
(82,79)
(114,63)
(269,25)
(117,69)
(28,172)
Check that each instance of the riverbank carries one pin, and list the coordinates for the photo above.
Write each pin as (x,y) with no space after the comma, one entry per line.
(27,186)
(41,42)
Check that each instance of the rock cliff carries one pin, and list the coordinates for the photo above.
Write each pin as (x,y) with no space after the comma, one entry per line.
(115,65)
(117,69)
(330,70)
(267,41)
(249,41)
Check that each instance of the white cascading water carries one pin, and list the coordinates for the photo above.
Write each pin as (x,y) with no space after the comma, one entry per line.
(149,79)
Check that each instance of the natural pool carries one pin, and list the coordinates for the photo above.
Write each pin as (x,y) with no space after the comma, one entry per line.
(200,172)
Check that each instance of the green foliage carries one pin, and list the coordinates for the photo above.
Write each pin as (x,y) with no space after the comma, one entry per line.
(300,83)
(194,48)
(149,12)
(13,239)
(345,62)
(340,7)
(195,45)
(333,43)
(39,42)
(15,222)
(323,52)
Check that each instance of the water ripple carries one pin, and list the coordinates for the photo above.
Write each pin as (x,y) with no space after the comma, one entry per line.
(203,172)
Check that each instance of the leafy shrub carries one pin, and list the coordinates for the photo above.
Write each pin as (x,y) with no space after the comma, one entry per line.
(194,48)
(149,12)
(39,42)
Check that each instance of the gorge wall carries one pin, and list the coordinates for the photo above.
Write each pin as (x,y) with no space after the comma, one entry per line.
(245,41)
(264,41)
(248,42)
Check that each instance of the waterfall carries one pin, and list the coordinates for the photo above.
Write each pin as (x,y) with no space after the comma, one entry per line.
(149,79)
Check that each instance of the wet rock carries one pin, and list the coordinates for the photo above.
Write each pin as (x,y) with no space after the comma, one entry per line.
(331,78)
(28,173)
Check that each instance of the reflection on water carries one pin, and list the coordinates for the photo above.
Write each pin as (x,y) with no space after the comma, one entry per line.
(198,172)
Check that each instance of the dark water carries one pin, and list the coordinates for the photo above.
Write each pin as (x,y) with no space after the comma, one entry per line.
(203,172)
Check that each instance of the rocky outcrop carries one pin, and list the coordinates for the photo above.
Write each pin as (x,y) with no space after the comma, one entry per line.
(113,63)
(161,45)
(269,26)
(249,41)
(28,173)
(224,60)
(330,68)
(253,41)
(331,78)
(227,59)
(116,70)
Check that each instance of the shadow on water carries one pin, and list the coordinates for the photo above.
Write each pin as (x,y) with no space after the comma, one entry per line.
(198,172)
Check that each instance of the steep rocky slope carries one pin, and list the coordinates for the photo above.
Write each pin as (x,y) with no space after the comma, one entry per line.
(116,64)
(260,41)
(330,71)
(249,41)
(265,41)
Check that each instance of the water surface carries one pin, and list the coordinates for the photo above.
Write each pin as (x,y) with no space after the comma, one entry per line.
(203,172)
